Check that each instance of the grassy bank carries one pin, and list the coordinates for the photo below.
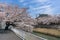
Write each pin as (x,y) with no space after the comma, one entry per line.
(46,36)
(52,32)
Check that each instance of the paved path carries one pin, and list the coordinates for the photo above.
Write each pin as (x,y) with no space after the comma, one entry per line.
(26,35)
(8,36)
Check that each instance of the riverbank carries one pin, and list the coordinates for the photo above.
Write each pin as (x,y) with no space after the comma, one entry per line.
(46,36)
(51,32)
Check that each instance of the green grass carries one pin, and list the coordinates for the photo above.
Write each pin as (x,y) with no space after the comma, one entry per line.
(46,36)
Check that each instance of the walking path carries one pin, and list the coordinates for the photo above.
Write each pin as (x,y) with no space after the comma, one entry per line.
(25,35)
(8,35)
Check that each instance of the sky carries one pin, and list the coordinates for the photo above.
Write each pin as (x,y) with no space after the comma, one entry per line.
(36,7)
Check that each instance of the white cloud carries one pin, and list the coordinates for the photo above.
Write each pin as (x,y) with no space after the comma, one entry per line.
(21,0)
(40,7)
(25,4)
(42,1)
(48,10)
